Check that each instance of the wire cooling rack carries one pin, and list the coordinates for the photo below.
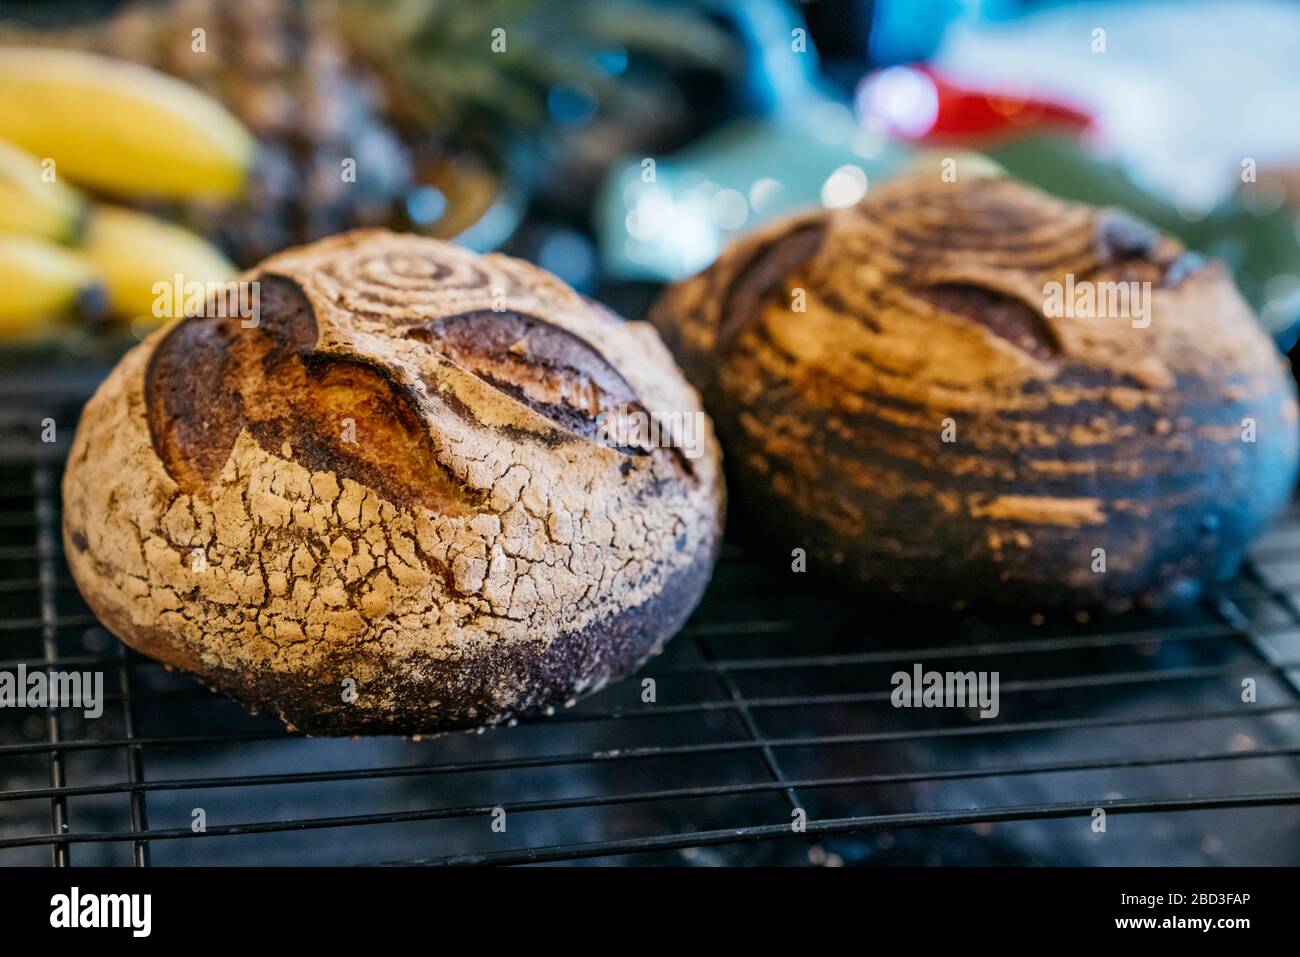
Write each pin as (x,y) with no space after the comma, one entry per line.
(770,709)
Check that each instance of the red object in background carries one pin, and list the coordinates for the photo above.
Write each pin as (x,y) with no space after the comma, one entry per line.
(917,103)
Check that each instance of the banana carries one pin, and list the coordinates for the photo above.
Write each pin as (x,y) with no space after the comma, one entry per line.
(119,127)
(31,204)
(41,281)
(133,252)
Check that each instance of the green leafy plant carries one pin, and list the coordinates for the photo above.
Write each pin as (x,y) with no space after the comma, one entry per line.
(497,60)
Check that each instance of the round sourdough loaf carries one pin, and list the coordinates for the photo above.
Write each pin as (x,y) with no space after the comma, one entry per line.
(918,392)
(391,503)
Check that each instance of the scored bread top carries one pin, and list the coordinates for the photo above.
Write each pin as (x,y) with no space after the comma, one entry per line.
(936,293)
(898,376)
(399,461)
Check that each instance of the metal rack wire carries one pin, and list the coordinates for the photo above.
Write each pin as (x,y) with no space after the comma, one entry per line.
(774,703)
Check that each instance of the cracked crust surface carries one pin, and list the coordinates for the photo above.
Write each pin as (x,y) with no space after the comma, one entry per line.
(926,304)
(393,478)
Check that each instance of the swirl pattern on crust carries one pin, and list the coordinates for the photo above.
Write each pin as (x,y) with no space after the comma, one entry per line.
(838,350)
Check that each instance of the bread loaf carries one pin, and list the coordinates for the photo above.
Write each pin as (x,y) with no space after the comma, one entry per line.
(388,503)
(918,394)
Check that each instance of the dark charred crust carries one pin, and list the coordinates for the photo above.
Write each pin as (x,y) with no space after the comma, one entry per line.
(435,695)
(1137,452)
(363,514)
(1003,315)
(546,368)
(536,363)
(569,419)
(509,340)
(453,403)
(286,316)
(765,276)
(191,430)
(1179,539)
(548,438)
(210,379)
(835,302)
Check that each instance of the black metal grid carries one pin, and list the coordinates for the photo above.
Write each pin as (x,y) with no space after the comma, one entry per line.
(775,698)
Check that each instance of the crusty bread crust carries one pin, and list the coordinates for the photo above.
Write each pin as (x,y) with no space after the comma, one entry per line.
(385,509)
(924,314)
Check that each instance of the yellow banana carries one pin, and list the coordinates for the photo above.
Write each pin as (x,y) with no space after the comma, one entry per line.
(34,204)
(40,281)
(120,127)
(133,252)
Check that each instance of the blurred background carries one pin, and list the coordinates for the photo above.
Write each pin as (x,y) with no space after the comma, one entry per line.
(621,144)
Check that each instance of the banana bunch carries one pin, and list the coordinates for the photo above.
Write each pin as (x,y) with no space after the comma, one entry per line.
(120,130)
